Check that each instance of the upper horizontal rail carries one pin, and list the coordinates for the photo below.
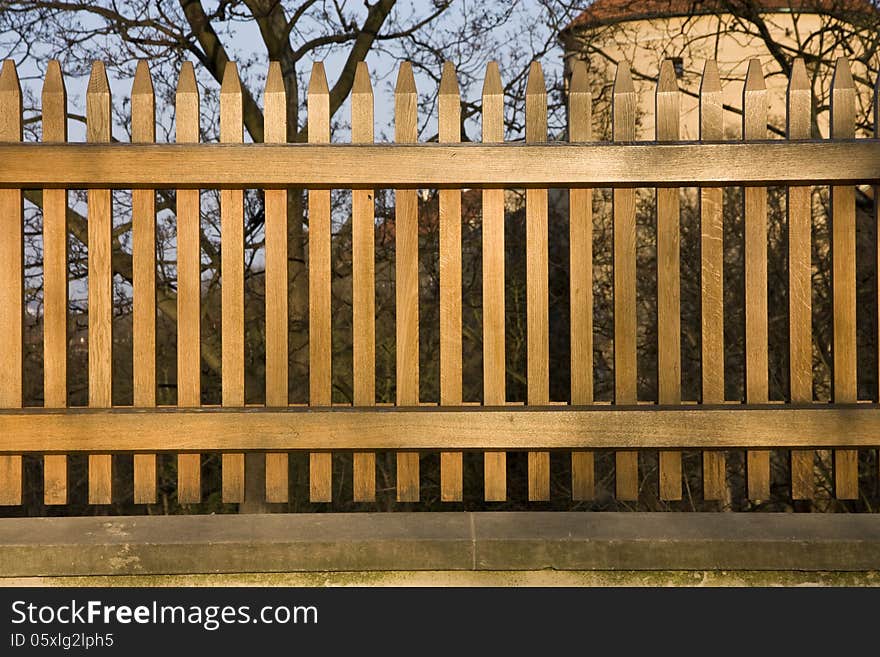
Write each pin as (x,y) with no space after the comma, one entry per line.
(355,166)
(438,428)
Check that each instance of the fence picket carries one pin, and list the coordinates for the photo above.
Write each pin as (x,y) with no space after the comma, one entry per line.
(406,226)
(580,113)
(712,279)
(877,237)
(143,220)
(494,361)
(843,278)
(625,322)
(12,282)
(275,131)
(363,283)
(450,283)
(537,287)
(232,282)
(188,285)
(799,278)
(755,231)
(98,124)
(668,117)
(320,374)
(54,109)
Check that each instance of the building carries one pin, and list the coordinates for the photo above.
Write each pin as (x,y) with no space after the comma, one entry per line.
(645,32)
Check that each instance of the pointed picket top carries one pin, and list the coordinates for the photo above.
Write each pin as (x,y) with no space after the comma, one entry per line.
(405,109)
(53,84)
(711,82)
(842,75)
(54,99)
(143,81)
(623,82)
(799,101)
(143,106)
(187,105)
(493,105)
(667,83)
(536,85)
(623,105)
(711,103)
(580,103)
(231,84)
(843,101)
(318,106)
(274,80)
(9,78)
(362,84)
(799,80)
(492,82)
(755,102)
(362,118)
(536,105)
(10,103)
(449,81)
(755,77)
(275,102)
(186,82)
(877,108)
(231,124)
(98,82)
(450,105)
(580,83)
(668,103)
(318,81)
(98,119)
(406,81)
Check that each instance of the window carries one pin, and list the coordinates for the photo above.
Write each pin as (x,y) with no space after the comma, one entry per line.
(678,65)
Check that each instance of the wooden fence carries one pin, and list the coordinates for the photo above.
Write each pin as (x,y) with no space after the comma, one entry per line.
(579,425)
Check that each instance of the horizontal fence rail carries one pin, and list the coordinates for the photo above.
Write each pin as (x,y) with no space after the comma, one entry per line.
(260,440)
(401,166)
(401,428)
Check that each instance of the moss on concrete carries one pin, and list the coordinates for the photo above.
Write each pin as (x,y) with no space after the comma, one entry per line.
(474,578)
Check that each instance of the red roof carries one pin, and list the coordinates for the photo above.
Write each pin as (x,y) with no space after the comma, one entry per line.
(602,12)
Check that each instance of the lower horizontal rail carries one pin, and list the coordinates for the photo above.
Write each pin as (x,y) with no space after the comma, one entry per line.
(437,428)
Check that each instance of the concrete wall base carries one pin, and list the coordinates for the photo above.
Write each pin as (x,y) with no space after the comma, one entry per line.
(468,548)
(495,578)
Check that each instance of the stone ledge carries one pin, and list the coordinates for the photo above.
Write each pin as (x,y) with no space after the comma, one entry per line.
(388,542)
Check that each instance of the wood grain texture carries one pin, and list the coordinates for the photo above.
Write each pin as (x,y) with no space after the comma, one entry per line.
(800,340)
(406,223)
(143,220)
(100,285)
(363,283)
(401,166)
(12,282)
(494,329)
(755,240)
(451,483)
(537,283)
(275,131)
(54,109)
(625,323)
(515,428)
(188,285)
(320,372)
(843,280)
(712,280)
(668,119)
(580,126)
(232,283)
